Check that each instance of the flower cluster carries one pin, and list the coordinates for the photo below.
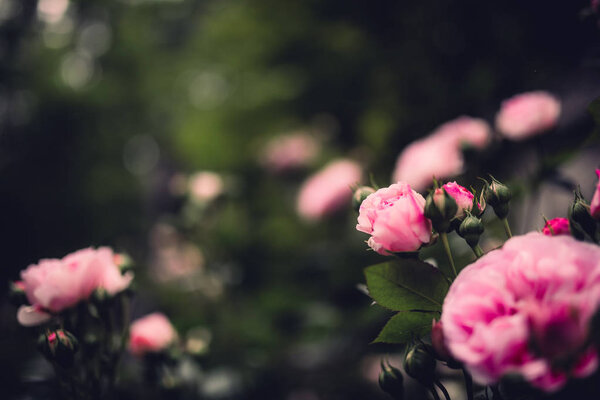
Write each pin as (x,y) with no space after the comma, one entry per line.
(54,285)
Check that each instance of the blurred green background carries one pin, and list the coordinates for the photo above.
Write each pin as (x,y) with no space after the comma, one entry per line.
(103,101)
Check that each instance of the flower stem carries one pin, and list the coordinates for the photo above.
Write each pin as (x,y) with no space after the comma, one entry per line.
(468,384)
(507,228)
(477,250)
(444,237)
(443,389)
(436,396)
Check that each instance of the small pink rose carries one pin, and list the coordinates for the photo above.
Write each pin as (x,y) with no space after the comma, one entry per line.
(595,205)
(394,217)
(328,190)
(528,114)
(152,333)
(205,186)
(557,226)
(291,151)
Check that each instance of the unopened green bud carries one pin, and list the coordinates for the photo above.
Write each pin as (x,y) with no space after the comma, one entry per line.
(498,196)
(580,219)
(391,381)
(59,346)
(17,294)
(360,195)
(471,229)
(419,364)
(440,208)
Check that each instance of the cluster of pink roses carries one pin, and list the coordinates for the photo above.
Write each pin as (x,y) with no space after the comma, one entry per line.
(54,285)
(395,216)
(440,153)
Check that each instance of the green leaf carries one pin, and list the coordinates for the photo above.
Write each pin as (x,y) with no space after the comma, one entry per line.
(407,285)
(406,326)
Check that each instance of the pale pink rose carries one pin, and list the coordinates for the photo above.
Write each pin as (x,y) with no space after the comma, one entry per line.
(205,186)
(292,151)
(474,132)
(394,217)
(152,333)
(595,205)
(463,198)
(328,190)
(556,226)
(528,114)
(54,284)
(440,153)
(525,309)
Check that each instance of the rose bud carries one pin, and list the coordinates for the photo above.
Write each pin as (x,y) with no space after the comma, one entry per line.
(440,208)
(419,363)
(556,226)
(471,229)
(360,195)
(151,334)
(394,218)
(17,294)
(498,196)
(391,381)
(59,346)
(595,205)
(580,219)
(464,199)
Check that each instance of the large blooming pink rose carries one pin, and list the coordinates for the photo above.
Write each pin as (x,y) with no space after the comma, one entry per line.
(525,309)
(440,154)
(55,284)
(152,333)
(394,217)
(527,114)
(595,205)
(328,189)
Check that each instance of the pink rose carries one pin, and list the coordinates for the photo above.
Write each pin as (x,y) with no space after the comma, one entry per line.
(527,114)
(595,205)
(328,190)
(556,226)
(463,198)
(55,285)
(152,333)
(440,154)
(205,186)
(292,151)
(394,217)
(525,309)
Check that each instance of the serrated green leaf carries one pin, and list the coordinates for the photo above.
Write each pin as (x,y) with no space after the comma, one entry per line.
(406,326)
(407,285)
